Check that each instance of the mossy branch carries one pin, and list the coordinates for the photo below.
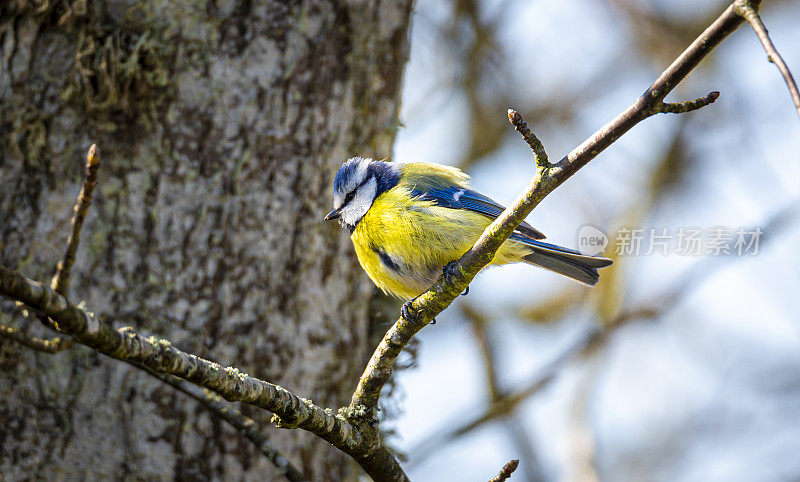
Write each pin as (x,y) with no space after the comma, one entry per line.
(547,178)
(208,399)
(160,356)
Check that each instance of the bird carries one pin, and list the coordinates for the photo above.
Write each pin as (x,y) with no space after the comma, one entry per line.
(409,222)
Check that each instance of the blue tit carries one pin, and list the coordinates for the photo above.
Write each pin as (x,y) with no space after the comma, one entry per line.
(408,221)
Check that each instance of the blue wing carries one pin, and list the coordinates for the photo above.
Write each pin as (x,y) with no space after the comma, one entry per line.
(457,197)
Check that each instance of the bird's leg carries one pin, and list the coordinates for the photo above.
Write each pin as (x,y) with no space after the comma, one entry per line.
(449,271)
(405,312)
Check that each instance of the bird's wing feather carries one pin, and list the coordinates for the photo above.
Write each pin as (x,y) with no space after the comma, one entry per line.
(449,187)
(426,175)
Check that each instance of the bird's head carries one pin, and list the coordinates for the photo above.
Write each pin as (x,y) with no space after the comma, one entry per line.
(358,182)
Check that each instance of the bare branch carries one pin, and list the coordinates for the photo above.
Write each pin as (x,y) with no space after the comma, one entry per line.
(540,156)
(749,11)
(425,307)
(689,105)
(654,308)
(583,346)
(60,281)
(506,471)
(54,345)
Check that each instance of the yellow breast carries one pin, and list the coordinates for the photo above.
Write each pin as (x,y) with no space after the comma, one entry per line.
(403,242)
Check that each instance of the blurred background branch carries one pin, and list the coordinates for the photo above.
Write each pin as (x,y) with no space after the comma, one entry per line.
(735,166)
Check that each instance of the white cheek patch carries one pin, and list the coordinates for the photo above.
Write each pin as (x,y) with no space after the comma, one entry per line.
(457,195)
(358,207)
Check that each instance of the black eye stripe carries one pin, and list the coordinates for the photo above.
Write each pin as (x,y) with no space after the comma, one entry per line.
(349,196)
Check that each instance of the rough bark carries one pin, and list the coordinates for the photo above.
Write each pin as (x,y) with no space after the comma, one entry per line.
(221,124)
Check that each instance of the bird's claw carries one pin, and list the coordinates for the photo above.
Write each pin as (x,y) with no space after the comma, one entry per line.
(449,271)
(405,312)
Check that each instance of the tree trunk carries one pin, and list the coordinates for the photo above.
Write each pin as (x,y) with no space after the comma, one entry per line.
(221,124)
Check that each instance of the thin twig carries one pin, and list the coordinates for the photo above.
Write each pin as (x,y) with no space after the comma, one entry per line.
(689,105)
(60,280)
(247,426)
(540,155)
(506,471)
(439,296)
(53,345)
(750,13)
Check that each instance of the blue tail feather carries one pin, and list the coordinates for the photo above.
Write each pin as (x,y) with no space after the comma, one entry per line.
(564,261)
